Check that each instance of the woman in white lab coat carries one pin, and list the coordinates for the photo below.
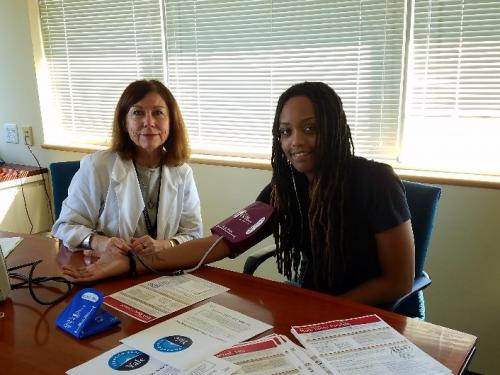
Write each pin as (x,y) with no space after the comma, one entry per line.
(139,195)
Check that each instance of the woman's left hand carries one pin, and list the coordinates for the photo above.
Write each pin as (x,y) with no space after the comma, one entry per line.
(108,265)
(145,245)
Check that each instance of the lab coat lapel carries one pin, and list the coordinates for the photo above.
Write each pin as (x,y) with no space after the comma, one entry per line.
(129,198)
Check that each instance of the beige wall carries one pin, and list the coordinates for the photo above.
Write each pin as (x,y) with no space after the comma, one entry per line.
(464,257)
(21,197)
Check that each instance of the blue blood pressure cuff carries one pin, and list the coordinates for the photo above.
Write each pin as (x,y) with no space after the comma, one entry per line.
(246,227)
(83,316)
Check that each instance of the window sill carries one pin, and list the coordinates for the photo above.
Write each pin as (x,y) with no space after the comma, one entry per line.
(432,177)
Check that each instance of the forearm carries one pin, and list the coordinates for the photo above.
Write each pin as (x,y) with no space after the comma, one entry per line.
(377,291)
(114,263)
(396,255)
(101,243)
(185,255)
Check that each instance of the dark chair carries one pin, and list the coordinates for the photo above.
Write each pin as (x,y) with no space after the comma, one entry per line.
(422,201)
(61,175)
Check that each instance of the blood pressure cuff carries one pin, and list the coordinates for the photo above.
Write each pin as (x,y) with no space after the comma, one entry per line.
(83,316)
(245,228)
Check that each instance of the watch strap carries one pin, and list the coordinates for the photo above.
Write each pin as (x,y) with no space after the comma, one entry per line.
(132,270)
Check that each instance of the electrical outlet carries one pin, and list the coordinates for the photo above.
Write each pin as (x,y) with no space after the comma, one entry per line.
(28,135)
(11,135)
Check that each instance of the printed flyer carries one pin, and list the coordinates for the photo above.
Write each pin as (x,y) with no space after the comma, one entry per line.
(187,339)
(124,359)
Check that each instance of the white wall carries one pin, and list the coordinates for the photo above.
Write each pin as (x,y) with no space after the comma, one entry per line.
(24,205)
(463,259)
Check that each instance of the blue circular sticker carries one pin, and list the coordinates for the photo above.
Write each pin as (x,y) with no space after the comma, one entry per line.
(174,343)
(128,360)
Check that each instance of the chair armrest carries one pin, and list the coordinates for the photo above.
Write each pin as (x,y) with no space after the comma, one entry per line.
(256,258)
(421,282)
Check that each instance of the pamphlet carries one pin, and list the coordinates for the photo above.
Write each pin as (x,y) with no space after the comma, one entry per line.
(271,355)
(188,338)
(162,296)
(8,244)
(365,345)
(131,361)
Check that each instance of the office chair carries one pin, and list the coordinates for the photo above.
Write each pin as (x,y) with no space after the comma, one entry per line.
(422,202)
(61,175)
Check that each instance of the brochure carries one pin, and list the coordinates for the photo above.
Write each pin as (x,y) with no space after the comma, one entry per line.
(188,338)
(162,296)
(271,355)
(365,345)
(131,361)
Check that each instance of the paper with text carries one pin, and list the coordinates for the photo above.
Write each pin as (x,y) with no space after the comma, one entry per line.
(131,361)
(162,296)
(365,345)
(188,338)
(271,355)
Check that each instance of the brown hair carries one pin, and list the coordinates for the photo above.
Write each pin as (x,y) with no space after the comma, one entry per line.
(177,142)
(327,211)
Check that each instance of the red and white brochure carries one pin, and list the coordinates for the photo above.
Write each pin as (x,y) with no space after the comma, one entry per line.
(162,296)
(364,345)
(270,355)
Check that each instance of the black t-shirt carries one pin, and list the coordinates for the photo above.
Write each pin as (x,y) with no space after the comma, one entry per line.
(376,202)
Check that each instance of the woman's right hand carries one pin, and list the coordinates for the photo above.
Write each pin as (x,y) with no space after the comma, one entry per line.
(102,244)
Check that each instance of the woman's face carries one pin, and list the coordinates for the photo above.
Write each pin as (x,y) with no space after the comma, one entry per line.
(297,129)
(148,123)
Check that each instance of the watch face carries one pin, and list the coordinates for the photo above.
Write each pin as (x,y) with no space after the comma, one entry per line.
(86,241)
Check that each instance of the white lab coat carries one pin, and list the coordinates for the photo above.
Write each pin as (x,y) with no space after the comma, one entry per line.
(105,196)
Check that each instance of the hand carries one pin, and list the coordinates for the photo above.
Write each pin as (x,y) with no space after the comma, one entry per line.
(103,244)
(109,264)
(145,245)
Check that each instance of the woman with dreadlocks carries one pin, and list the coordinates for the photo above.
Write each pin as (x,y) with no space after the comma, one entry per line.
(341,223)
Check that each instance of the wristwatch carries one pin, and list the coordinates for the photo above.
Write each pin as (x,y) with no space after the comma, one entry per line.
(87,241)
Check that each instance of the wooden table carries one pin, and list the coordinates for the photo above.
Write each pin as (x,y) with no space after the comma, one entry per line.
(31,343)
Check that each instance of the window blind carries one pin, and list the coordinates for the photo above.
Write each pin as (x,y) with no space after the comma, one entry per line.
(454,85)
(228,62)
(456,59)
(94,49)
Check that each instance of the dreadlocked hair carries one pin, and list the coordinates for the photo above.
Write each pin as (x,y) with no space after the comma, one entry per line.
(327,211)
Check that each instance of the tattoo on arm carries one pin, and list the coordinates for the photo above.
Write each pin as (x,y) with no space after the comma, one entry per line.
(154,257)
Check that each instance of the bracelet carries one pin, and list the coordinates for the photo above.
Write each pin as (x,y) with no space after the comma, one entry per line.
(132,265)
(173,243)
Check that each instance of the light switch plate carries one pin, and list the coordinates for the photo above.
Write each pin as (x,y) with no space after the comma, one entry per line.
(11,133)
